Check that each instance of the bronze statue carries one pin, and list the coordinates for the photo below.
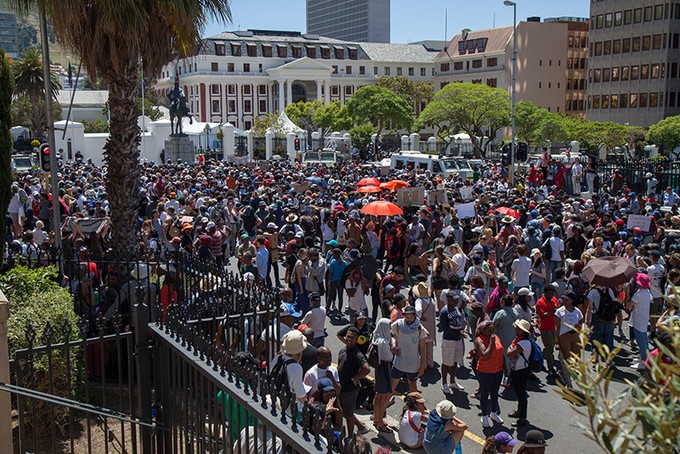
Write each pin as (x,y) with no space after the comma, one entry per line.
(178,109)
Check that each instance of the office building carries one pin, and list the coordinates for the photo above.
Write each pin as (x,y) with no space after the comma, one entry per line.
(350,20)
(551,61)
(633,74)
(9,40)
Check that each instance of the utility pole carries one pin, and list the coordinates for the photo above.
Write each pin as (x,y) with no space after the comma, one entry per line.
(513,145)
(56,207)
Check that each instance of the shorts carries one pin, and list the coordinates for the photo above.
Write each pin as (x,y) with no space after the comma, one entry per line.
(453,352)
(348,401)
(410,376)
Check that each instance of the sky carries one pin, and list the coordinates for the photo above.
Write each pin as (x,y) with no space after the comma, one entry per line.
(411,20)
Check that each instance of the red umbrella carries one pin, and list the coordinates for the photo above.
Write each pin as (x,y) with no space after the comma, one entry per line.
(369,182)
(382,208)
(394,185)
(369,189)
(508,212)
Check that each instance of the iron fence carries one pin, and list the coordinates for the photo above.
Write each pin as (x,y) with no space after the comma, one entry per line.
(259,148)
(635,172)
(280,146)
(241,145)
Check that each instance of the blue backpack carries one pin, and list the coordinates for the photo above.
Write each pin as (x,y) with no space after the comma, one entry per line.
(535,358)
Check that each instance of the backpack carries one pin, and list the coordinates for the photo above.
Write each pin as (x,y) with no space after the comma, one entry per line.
(535,358)
(608,308)
(279,375)
(547,250)
(372,356)
(578,285)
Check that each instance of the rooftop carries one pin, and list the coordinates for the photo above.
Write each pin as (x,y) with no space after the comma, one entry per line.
(497,39)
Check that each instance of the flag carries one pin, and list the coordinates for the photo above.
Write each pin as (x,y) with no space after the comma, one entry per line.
(70,74)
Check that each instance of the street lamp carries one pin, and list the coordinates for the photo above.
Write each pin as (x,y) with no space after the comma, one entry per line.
(514,75)
(207,136)
(458,142)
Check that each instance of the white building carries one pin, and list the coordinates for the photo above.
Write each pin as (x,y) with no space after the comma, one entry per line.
(237,76)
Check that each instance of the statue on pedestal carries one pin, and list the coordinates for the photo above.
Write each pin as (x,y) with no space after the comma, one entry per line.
(178,109)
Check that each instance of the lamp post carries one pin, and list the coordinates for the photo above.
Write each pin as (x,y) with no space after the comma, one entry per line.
(458,142)
(513,150)
(207,136)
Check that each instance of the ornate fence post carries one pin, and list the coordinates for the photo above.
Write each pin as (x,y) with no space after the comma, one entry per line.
(143,360)
(5,398)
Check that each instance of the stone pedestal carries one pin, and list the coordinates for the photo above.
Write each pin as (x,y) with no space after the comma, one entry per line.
(180,147)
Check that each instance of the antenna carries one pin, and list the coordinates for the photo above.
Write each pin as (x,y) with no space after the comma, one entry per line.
(446,27)
(494,20)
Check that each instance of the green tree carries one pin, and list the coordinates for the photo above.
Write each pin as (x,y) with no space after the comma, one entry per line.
(381,107)
(22,111)
(111,38)
(268,121)
(361,135)
(6,176)
(27,36)
(477,109)
(528,122)
(29,85)
(332,117)
(95,126)
(416,93)
(666,133)
(303,114)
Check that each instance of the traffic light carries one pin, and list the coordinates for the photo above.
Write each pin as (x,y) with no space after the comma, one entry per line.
(522,151)
(44,152)
(297,144)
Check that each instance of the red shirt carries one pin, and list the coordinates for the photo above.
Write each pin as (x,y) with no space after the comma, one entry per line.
(546,313)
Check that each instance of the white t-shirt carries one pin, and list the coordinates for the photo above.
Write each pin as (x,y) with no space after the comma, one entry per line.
(521,267)
(655,273)
(459,259)
(557,246)
(315,373)
(521,361)
(639,316)
(358,301)
(407,435)
(316,320)
(568,320)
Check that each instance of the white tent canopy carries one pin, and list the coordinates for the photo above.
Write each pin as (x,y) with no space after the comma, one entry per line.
(288,126)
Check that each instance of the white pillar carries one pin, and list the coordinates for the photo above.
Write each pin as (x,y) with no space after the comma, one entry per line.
(268,145)
(316,136)
(415,141)
(228,140)
(251,145)
(280,84)
(326,91)
(432,144)
(290,145)
(289,92)
(404,142)
(318,89)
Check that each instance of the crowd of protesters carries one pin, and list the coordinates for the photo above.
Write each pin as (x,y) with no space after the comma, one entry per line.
(480,287)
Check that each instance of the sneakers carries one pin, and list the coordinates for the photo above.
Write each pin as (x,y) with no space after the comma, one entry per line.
(485,422)
(446,389)
(495,417)
(456,387)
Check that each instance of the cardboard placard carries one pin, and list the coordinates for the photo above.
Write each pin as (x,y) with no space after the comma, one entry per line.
(466,210)
(437,197)
(466,193)
(637,220)
(407,197)
(384,171)
(300,188)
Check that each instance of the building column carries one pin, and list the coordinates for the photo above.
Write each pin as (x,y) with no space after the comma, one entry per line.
(327,91)
(280,85)
(289,92)
(318,89)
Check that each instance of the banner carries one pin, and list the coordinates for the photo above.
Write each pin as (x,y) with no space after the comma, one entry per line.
(407,197)
(466,210)
(637,220)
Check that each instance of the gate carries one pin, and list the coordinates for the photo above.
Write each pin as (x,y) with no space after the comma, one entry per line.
(259,148)
(241,145)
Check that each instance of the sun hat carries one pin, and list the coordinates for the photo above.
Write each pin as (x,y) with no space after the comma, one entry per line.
(271,225)
(524,325)
(293,342)
(287,309)
(534,439)
(534,252)
(422,290)
(291,218)
(525,292)
(643,281)
(504,439)
(446,409)
(211,225)
(508,220)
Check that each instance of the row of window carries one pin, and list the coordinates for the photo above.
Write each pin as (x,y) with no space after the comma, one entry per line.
(633,72)
(577,42)
(635,44)
(635,16)
(282,50)
(627,101)
(576,105)
(577,63)
(470,46)
(475,64)
(215,67)
(491,82)
(576,84)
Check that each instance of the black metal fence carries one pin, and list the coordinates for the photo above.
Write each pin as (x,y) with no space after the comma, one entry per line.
(172,358)
(259,148)
(241,145)
(280,146)
(635,173)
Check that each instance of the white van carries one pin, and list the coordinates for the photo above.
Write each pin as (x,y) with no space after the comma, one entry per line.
(443,166)
(326,156)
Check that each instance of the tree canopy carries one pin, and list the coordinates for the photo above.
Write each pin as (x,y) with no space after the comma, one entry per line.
(380,107)
(415,92)
(666,133)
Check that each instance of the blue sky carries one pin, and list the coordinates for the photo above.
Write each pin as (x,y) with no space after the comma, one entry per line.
(411,20)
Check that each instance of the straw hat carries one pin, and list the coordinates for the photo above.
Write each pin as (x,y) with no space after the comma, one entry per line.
(523,325)
(508,220)
(446,409)
(294,342)
(422,290)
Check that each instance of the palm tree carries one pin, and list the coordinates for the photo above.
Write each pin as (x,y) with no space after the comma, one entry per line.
(29,85)
(111,37)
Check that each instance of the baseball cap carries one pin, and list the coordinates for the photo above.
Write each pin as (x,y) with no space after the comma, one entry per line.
(245,236)
(409,310)
(388,288)
(504,439)
(314,296)
(287,309)
(325,384)
(332,243)
(271,225)
(359,314)
(299,235)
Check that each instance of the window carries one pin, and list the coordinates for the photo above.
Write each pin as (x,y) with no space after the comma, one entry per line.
(674,70)
(262,89)
(608,20)
(247,90)
(624,72)
(325,52)
(675,40)
(655,71)
(311,51)
(634,72)
(623,101)
(642,100)
(348,90)
(637,18)
(596,102)
(444,67)
(599,21)
(263,105)
(339,53)
(597,75)
(607,47)
(246,67)
(648,15)
(297,51)
(616,46)
(267,50)
(232,106)
(214,66)
(231,89)
(281,50)
(598,48)
(644,72)
(606,73)
(399,71)
(627,17)
(423,71)
(215,106)
(646,42)
(348,69)
(251,49)
(481,44)
(570,41)
(582,63)
(653,100)
(492,82)
(247,125)
(614,102)
(618,18)
(477,63)
(352,53)
(387,70)
(335,90)
(236,50)
(625,45)
(220,49)
(411,71)
(230,67)
(636,44)
(335,69)
(375,70)
(491,62)
(633,100)
(658,13)
(671,99)
(476,81)
(656,42)
(570,63)
(457,65)
(247,105)
(615,74)
(605,102)
(214,89)
(362,70)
